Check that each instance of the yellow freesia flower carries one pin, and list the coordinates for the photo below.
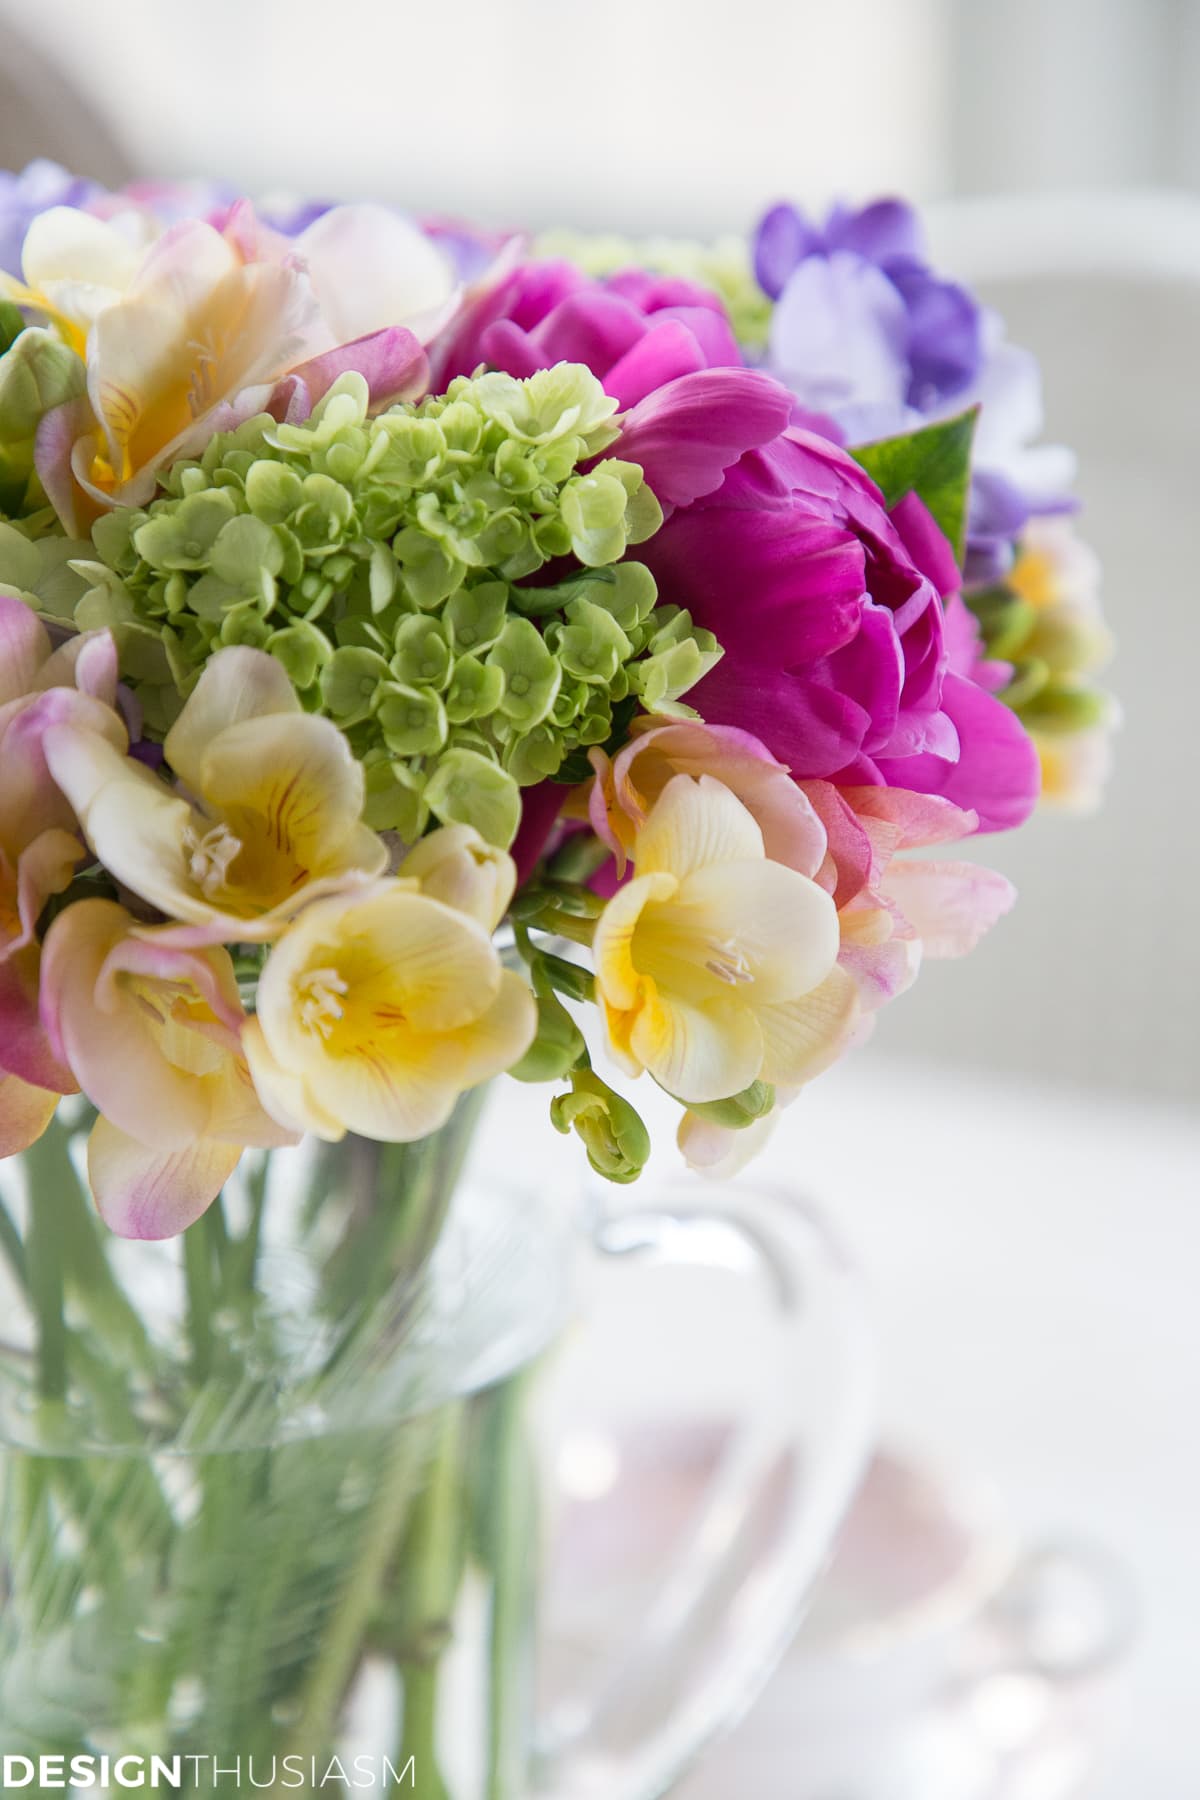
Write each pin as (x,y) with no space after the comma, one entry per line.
(270,817)
(714,966)
(376,1010)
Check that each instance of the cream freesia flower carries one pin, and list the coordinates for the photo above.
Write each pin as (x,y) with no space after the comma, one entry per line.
(185,331)
(715,967)
(268,817)
(152,1034)
(377,1009)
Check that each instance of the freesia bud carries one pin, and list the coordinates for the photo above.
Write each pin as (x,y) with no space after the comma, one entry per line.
(740,1110)
(457,866)
(38,373)
(559,1043)
(612,1131)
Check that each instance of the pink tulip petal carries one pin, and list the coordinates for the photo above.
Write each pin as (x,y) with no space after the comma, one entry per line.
(927,544)
(997,770)
(689,432)
(144,1193)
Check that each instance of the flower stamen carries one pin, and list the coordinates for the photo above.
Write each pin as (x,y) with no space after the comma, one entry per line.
(320,994)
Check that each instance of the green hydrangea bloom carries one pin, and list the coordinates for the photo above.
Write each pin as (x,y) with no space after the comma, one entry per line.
(386,561)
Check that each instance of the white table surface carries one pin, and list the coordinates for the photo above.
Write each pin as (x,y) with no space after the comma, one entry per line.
(1034,1258)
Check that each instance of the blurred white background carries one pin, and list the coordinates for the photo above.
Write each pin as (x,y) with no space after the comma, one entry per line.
(1038,1318)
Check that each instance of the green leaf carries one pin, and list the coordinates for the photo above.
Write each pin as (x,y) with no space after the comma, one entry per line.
(935,464)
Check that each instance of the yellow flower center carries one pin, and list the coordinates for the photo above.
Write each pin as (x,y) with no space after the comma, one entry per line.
(728,962)
(190,1036)
(320,996)
(211,854)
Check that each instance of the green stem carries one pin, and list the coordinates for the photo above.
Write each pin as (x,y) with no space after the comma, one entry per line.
(343,1636)
(434,1555)
(508,1537)
(197,1268)
(11,1245)
(50,1175)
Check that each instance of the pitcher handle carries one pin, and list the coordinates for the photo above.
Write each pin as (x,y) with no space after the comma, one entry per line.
(710,1636)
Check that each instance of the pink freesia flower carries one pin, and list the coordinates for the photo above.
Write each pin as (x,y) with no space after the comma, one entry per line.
(627,786)
(152,1034)
(40,848)
(833,629)
(890,911)
(634,330)
(893,911)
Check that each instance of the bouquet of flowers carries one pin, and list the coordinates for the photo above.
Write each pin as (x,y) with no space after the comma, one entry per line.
(417,643)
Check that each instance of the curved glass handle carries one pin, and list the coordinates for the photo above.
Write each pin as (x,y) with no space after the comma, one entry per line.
(729,1583)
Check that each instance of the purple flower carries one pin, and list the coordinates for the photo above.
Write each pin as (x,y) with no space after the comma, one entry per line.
(23,196)
(865,331)
(634,330)
(828,609)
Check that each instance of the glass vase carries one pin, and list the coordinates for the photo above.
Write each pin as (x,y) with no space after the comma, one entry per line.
(270,1493)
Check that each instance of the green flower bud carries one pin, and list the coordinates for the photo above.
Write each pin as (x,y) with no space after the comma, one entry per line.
(559,1043)
(740,1110)
(1062,707)
(39,372)
(612,1132)
(1028,680)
